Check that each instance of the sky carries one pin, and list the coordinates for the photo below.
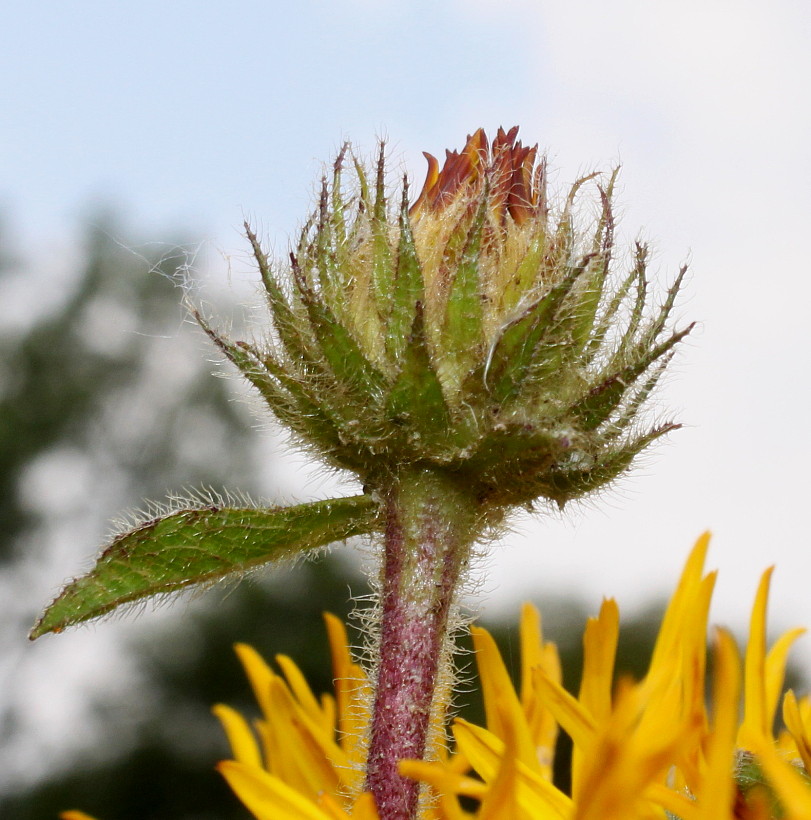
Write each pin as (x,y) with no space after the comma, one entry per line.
(192,116)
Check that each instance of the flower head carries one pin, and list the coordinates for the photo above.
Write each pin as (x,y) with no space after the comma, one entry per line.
(478,331)
(519,186)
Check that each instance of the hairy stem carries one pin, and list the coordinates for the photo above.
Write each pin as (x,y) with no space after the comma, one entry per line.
(430,526)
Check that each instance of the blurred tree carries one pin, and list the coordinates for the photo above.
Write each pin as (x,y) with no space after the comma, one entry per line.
(96,377)
(105,400)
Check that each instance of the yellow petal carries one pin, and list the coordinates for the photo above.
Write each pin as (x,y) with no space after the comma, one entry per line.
(791,789)
(241,739)
(756,718)
(259,675)
(330,712)
(75,815)
(352,694)
(481,747)
(330,806)
(267,797)
(531,643)
(717,787)
(670,630)
(572,717)
(487,753)
(693,646)
(674,802)
(298,753)
(442,779)
(364,808)
(500,701)
(792,716)
(301,689)
(535,652)
(599,650)
(518,792)
(501,800)
(626,758)
(776,669)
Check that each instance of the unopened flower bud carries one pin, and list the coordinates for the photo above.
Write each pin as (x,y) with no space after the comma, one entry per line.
(477,331)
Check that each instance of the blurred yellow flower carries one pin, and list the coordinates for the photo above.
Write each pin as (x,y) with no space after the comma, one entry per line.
(654,749)
(308,759)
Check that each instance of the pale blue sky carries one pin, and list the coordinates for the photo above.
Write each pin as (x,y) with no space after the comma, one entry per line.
(188,112)
(194,114)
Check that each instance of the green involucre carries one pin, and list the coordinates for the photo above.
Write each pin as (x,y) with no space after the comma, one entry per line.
(517,362)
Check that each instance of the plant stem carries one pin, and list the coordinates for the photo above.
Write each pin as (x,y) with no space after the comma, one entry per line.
(430,527)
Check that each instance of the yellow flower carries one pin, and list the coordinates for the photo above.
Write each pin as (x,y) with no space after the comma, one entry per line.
(652,747)
(648,750)
(307,763)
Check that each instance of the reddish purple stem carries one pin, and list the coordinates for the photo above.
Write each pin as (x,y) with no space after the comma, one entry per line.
(424,555)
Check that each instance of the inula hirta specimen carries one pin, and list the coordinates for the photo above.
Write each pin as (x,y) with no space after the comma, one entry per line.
(461,353)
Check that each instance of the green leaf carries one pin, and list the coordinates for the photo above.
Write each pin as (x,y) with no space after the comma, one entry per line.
(346,361)
(382,268)
(190,546)
(510,458)
(601,401)
(664,312)
(608,315)
(632,404)
(338,218)
(638,310)
(323,245)
(592,296)
(289,399)
(585,313)
(523,281)
(292,332)
(565,484)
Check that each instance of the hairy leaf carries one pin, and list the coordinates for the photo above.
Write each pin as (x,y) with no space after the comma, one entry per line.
(408,286)
(292,334)
(595,408)
(190,546)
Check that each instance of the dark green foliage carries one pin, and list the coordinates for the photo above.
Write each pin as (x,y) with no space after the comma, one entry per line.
(61,387)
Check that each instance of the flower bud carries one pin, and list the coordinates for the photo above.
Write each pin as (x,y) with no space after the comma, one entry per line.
(477,331)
